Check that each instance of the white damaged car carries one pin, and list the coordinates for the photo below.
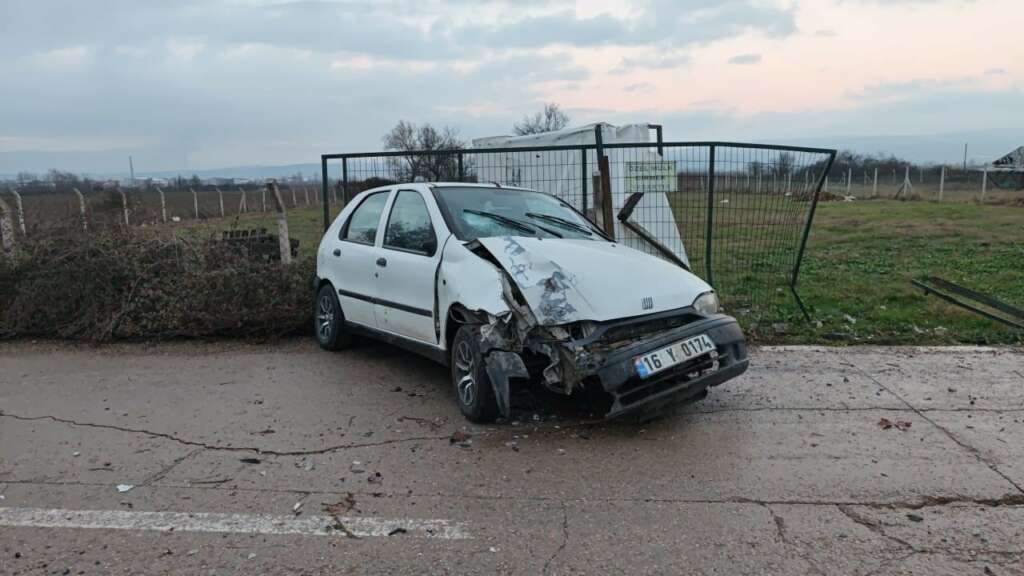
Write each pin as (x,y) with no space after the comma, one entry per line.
(506,285)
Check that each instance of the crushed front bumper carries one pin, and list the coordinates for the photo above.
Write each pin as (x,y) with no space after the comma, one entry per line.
(631,393)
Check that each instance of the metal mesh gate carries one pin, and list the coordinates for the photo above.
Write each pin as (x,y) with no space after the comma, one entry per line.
(741,213)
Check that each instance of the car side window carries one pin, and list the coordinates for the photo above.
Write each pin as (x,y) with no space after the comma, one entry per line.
(409,226)
(362,224)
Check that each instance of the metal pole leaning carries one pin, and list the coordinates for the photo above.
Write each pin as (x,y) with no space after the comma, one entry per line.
(21,211)
(163,205)
(81,208)
(124,207)
(7,241)
(283,242)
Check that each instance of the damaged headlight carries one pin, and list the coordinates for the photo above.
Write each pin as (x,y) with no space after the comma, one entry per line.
(706,304)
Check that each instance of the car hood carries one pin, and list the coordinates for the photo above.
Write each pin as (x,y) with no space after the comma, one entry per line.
(567,280)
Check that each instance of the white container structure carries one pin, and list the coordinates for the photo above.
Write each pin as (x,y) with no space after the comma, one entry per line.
(560,173)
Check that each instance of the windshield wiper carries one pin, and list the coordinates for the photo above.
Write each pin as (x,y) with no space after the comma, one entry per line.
(512,222)
(561,222)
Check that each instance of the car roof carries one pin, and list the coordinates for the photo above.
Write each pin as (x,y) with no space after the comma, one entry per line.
(425,186)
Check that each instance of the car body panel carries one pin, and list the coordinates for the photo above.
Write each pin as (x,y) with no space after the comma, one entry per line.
(567,280)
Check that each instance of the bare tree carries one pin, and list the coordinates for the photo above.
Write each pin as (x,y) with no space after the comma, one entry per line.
(408,137)
(548,120)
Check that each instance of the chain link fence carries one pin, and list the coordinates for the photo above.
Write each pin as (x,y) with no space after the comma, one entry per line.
(737,214)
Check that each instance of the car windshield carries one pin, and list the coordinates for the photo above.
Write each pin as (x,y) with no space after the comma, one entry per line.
(479,212)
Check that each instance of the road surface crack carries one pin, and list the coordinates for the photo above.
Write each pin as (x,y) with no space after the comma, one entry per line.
(565,538)
(970,449)
(217,447)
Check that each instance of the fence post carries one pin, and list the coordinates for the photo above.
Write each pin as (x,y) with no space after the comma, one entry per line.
(124,207)
(6,231)
(849,179)
(942,181)
(263,200)
(163,205)
(708,229)
(243,206)
(220,197)
(283,243)
(81,208)
(461,173)
(21,211)
(324,186)
(874,185)
(345,196)
(305,195)
(195,202)
(295,202)
(984,182)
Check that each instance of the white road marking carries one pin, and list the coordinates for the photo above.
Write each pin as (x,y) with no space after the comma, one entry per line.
(231,523)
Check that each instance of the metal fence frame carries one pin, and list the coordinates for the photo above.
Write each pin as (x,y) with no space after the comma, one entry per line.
(586,175)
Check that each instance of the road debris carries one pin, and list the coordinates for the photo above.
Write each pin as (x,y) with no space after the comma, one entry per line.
(915,518)
(343,506)
(122,488)
(462,438)
(375,478)
(398,530)
(886,424)
(250,460)
(357,467)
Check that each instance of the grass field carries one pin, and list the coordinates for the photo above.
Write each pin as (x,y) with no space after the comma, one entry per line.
(856,276)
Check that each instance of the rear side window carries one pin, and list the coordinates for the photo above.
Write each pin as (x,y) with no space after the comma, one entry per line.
(409,225)
(362,225)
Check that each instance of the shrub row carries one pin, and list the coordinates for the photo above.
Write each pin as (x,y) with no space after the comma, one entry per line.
(108,285)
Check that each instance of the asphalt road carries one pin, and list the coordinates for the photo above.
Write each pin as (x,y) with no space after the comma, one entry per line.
(284,459)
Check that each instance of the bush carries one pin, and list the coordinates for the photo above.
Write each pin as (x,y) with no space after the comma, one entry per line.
(109,285)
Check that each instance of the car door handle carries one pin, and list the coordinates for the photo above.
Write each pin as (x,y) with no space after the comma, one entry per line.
(382,262)
(337,251)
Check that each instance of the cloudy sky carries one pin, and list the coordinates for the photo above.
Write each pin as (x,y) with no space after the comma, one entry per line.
(211,83)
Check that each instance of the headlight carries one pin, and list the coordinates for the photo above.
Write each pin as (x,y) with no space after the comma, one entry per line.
(706,304)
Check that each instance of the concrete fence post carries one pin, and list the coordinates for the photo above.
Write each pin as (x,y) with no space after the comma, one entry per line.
(124,207)
(942,182)
(263,200)
(984,182)
(849,179)
(195,202)
(305,194)
(6,231)
(284,244)
(242,207)
(81,209)
(21,211)
(163,205)
(220,197)
(874,185)
(295,202)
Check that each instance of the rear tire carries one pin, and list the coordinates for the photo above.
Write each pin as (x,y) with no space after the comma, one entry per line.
(329,321)
(473,391)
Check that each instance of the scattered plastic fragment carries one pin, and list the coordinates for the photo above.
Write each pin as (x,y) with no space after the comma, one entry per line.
(122,488)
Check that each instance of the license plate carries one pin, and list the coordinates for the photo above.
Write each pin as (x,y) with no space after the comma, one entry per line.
(658,360)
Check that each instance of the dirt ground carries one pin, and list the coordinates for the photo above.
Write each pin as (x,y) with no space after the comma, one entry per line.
(282,459)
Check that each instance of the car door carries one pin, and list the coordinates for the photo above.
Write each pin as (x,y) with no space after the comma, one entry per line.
(355,256)
(407,267)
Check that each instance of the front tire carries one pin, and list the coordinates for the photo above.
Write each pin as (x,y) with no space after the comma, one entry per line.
(473,391)
(329,321)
